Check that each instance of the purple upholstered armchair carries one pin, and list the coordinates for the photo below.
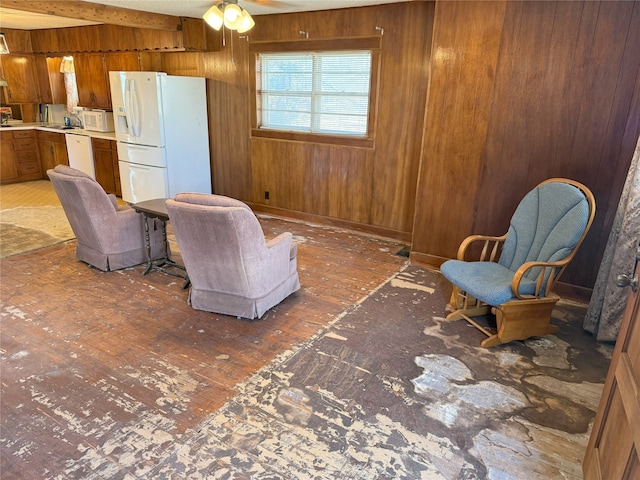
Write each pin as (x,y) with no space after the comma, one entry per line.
(232,269)
(109,238)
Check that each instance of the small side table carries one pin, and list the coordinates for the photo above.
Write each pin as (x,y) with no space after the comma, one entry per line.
(157,208)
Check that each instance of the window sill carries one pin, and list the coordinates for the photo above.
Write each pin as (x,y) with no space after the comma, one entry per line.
(344,141)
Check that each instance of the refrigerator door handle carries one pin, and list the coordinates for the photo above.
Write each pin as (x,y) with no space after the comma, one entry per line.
(137,147)
(127,105)
(135,109)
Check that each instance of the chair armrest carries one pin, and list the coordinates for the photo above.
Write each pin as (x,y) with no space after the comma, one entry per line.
(280,248)
(490,249)
(546,278)
(114,200)
(275,264)
(124,227)
(275,240)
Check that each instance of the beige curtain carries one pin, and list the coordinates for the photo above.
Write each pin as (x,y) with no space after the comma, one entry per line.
(608,301)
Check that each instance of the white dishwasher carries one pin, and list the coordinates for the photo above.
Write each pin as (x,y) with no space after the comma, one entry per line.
(80,153)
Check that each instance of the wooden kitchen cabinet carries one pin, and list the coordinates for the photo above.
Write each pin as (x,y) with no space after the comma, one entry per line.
(8,163)
(105,160)
(42,74)
(92,82)
(20,160)
(20,73)
(92,75)
(25,143)
(50,80)
(122,61)
(116,167)
(53,150)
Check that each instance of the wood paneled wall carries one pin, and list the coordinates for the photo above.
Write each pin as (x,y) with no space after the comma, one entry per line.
(370,186)
(103,38)
(520,92)
(478,101)
(194,35)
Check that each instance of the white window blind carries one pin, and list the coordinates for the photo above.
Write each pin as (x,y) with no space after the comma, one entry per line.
(317,92)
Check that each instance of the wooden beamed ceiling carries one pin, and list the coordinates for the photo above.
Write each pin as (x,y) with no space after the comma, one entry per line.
(95,12)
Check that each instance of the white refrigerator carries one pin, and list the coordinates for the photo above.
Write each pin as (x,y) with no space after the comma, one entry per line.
(162,133)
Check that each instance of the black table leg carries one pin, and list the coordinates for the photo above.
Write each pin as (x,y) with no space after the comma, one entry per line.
(147,240)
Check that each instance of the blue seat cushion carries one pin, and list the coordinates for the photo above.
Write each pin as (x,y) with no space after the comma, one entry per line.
(489,282)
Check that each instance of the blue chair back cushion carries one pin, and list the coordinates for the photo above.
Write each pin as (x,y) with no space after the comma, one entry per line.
(545,227)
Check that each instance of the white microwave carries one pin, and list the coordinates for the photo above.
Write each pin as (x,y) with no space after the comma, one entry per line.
(97,120)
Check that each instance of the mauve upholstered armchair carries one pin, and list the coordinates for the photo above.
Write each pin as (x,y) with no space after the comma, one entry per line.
(109,237)
(232,269)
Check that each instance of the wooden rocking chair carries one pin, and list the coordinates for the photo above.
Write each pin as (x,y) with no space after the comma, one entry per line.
(515,273)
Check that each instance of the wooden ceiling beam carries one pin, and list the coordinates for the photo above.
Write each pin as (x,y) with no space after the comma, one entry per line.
(95,12)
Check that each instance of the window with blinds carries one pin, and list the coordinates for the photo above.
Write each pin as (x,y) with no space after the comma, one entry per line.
(316,92)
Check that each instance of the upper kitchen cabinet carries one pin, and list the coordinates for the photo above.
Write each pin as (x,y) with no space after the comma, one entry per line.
(122,61)
(92,81)
(20,73)
(92,75)
(50,80)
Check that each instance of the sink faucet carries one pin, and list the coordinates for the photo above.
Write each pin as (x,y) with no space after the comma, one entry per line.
(76,121)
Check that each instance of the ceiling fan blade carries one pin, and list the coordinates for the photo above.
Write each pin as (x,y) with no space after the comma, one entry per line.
(267,3)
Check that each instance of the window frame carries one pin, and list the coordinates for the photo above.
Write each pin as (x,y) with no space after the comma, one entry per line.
(333,45)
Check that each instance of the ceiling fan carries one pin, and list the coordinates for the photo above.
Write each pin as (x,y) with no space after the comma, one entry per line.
(229,14)
(267,3)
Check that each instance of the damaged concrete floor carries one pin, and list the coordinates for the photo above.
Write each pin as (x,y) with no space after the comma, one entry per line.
(356,376)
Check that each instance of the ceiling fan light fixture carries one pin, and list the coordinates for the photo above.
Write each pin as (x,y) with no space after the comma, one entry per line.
(247,22)
(229,14)
(232,16)
(214,17)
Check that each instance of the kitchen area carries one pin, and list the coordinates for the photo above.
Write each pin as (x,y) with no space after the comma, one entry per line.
(29,149)
(41,126)
(60,110)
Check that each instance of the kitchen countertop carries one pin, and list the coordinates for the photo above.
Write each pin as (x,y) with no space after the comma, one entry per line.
(57,128)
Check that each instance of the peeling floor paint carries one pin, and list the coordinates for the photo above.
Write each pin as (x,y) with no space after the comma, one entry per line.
(306,417)
(335,336)
(398,283)
(387,390)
